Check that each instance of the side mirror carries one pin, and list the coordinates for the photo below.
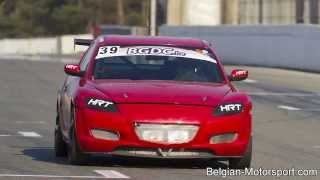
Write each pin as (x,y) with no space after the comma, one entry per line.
(238,75)
(73,70)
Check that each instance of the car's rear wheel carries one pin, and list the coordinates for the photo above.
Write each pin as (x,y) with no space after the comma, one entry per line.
(75,155)
(245,161)
(60,146)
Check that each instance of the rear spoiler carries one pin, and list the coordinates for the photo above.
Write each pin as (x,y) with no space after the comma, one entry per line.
(82,42)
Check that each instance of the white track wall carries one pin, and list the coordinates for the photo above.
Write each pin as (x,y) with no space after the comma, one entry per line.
(295,46)
(34,46)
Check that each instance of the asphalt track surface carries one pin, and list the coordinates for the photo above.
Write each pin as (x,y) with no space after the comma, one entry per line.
(286,128)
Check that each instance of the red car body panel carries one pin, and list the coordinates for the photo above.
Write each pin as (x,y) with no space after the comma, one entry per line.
(159,102)
(162,92)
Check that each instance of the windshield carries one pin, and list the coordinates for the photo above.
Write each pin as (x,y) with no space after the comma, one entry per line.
(150,67)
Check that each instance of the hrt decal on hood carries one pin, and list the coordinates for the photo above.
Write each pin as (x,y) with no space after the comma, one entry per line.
(229,108)
(100,104)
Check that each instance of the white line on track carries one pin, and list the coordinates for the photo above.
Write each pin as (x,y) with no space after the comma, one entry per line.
(4,135)
(104,174)
(30,122)
(111,174)
(283,94)
(289,108)
(50,176)
(29,134)
(250,81)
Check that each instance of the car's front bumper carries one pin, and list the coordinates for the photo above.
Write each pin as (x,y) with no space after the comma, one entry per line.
(129,143)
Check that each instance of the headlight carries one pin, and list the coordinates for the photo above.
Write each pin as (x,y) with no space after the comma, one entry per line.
(228,108)
(100,104)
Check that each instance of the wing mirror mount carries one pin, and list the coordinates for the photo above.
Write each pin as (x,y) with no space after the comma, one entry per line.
(73,70)
(238,75)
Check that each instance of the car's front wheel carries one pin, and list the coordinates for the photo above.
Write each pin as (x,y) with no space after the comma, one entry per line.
(245,161)
(75,155)
(60,146)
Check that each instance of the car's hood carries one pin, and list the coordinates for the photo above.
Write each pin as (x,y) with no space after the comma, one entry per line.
(126,91)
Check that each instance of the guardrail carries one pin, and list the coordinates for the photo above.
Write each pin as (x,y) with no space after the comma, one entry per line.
(293,47)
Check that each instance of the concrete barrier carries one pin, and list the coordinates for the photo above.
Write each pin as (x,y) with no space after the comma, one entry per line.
(48,46)
(294,47)
(29,46)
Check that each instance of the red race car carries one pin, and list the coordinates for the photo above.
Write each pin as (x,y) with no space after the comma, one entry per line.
(157,97)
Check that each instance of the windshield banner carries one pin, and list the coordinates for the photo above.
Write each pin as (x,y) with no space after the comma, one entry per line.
(110,51)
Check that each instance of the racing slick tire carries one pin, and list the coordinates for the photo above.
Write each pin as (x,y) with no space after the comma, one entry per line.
(75,155)
(245,161)
(60,146)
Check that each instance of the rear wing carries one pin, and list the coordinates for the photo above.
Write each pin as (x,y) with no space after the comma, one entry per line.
(82,42)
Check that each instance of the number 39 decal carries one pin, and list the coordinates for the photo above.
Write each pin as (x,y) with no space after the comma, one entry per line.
(105,50)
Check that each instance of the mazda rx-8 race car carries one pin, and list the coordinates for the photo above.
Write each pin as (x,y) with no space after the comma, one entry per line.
(155,97)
